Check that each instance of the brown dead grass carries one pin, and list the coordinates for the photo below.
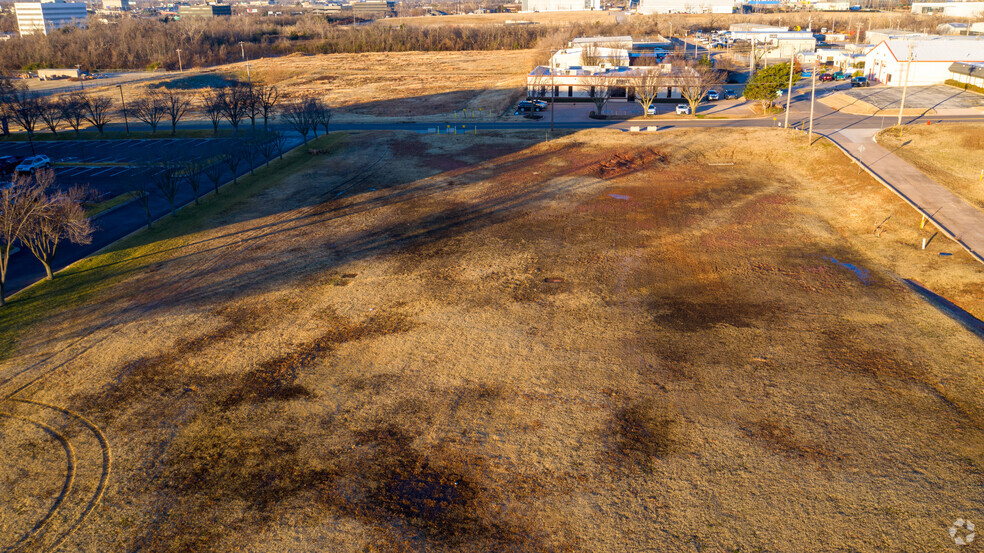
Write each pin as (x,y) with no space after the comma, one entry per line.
(531,354)
(952,154)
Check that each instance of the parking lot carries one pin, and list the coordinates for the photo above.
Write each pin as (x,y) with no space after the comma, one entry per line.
(112,167)
(921,97)
(108,168)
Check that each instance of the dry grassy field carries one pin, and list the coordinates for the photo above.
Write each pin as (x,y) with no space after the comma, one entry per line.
(370,86)
(683,341)
(953,155)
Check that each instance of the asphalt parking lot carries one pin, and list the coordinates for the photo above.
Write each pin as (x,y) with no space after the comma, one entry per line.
(77,162)
(921,97)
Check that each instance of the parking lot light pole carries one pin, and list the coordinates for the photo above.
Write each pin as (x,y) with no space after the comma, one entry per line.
(242,48)
(553,93)
(180,65)
(813,96)
(122,101)
(789,92)
(78,67)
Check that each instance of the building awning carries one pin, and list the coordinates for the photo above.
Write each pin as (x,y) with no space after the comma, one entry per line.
(970,69)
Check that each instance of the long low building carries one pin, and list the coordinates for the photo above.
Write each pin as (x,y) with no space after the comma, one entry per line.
(686,6)
(949,9)
(968,73)
(579,83)
(931,57)
(560,5)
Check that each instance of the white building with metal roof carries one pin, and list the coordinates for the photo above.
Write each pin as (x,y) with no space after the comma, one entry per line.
(931,58)
(560,5)
(950,9)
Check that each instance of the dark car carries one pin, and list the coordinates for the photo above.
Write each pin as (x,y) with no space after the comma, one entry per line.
(730,94)
(530,105)
(827,77)
(859,81)
(7,165)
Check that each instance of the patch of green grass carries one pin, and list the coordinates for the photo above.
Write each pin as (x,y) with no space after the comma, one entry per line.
(120,135)
(87,278)
(117,200)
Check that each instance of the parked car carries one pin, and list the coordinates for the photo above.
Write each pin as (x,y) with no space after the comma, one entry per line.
(827,77)
(713,95)
(651,110)
(840,76)
(7,165)
(33,163)
(530,105)
(730,94)
(683,109)
(859,81)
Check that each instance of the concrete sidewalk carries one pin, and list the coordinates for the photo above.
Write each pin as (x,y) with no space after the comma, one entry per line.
(956,218)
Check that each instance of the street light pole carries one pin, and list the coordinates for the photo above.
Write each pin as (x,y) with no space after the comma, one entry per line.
(180,65)
(78,68)
(553,94)
(122,101)
(249,79)
(789,91)
(905,85)
(813,95)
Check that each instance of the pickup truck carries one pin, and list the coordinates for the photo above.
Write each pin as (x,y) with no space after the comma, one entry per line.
(859,81)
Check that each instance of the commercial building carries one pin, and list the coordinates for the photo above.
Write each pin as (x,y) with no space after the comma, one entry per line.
(968,73)
(686,6)
(780,43)
(560,5)
(950,9)
(208,10)
(373,9)
(119,5)
(44,17)
(617,62)
(953,28)
(931,57)
(874,36)
(976,28)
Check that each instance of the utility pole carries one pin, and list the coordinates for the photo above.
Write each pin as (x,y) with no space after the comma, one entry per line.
(553,93)
(242,48)
(180,66)
(789,91)
(122,101)
(905,85)
(751,60)
(813,96)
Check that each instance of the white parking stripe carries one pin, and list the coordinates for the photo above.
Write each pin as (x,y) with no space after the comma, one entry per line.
(119,172)
(105,170)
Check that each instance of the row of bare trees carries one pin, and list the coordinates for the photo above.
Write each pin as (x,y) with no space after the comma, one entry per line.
(234,104)
(37,215)
(253,151)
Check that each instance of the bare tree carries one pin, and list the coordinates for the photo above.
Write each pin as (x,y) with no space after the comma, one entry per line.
(60,217)
(233,159)
(150,110)
(73,111)
(143,194)
(97,110)
(234,104)
(251,151)
(19,204)
(648,82)
(193,174)
(176,106)
(267,97)
(591,55)
(280,142)
(214,173)
(296,114)
(320,115)
(267,148)
(168,182)
(212,106)
(51,112)
(252,107)
(23,107)
(695,80)
(600,90)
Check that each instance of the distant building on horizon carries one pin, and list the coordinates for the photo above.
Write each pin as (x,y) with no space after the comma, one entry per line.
(207,10)
(686,6)
(560,5)
(44,17)
(121,5)
(949,9)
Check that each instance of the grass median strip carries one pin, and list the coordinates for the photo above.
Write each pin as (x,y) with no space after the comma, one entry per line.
(100,271)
